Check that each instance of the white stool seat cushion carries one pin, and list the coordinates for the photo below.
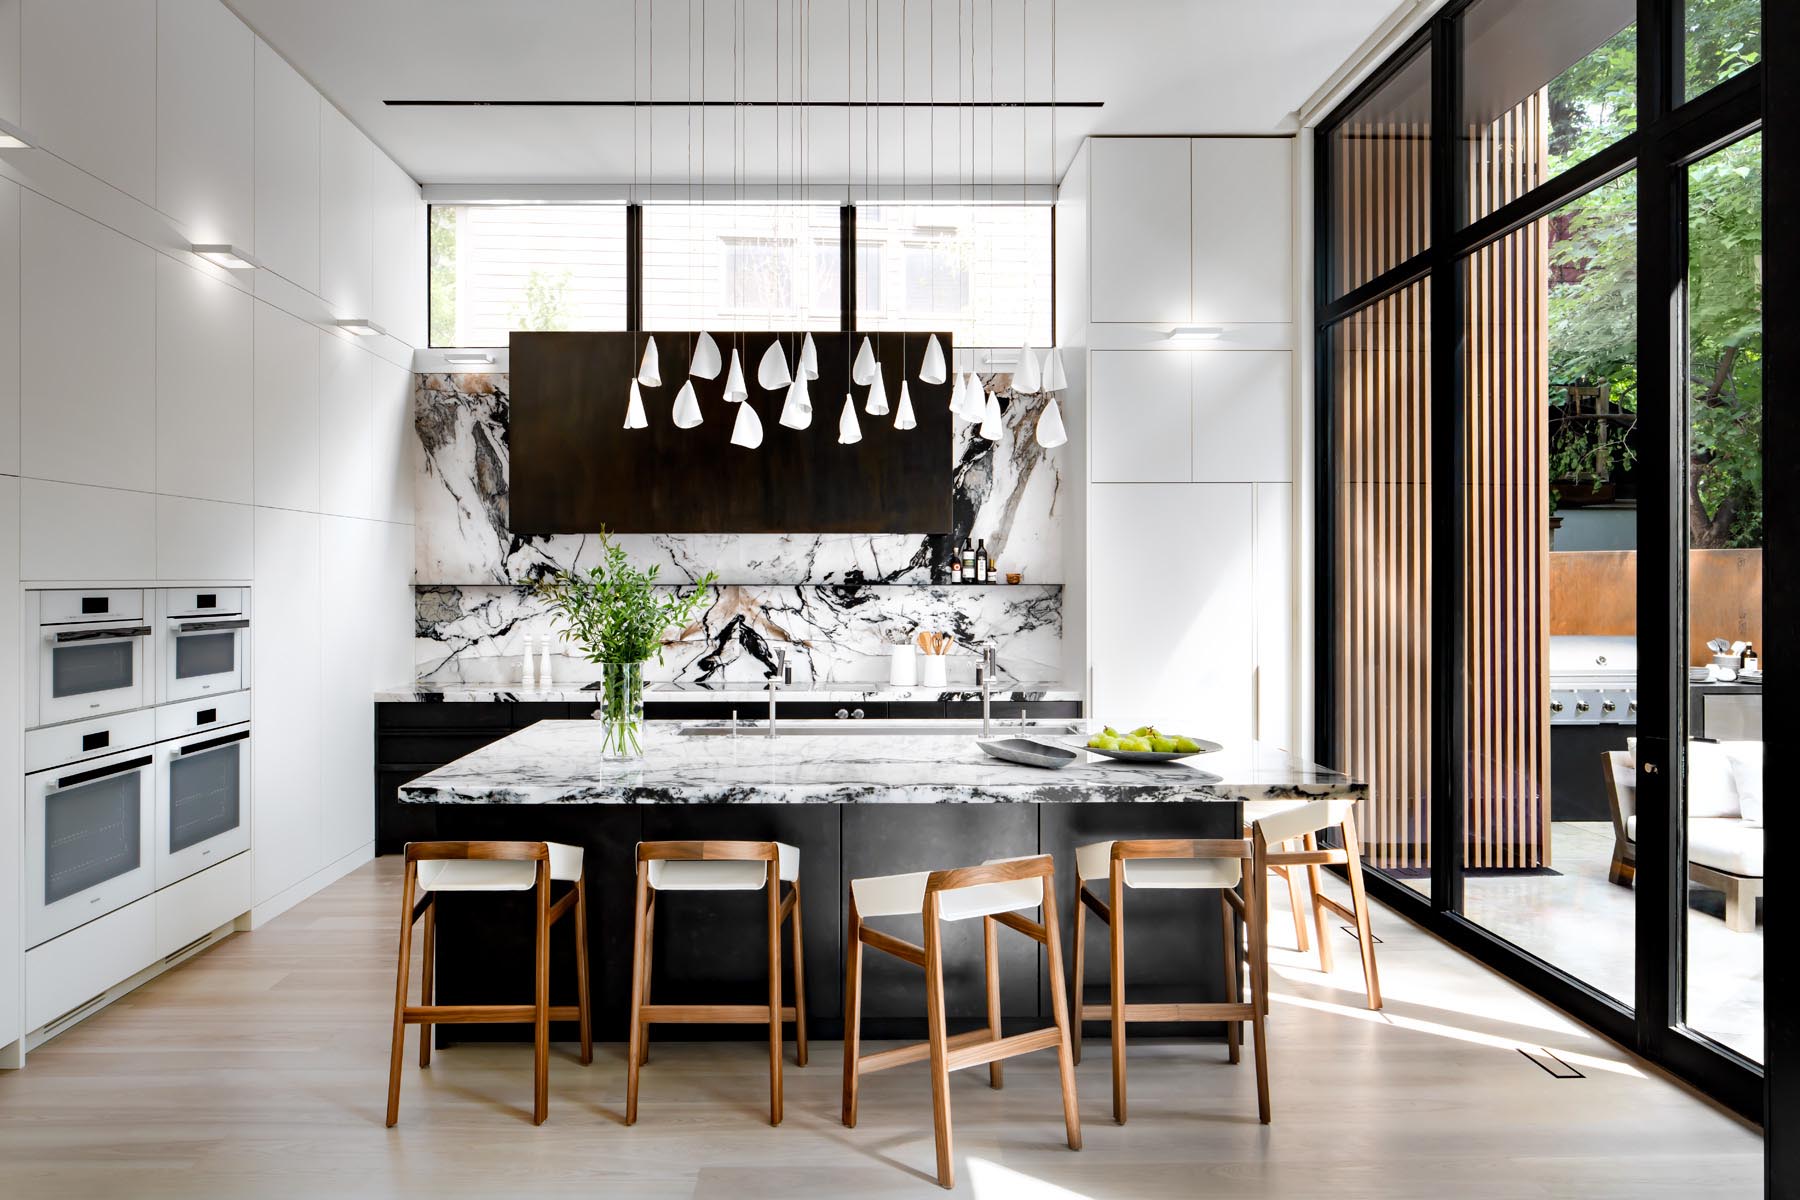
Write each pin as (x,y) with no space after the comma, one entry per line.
(722,874)
(1301,819)
(904,895)
(1093,863)
(497,874)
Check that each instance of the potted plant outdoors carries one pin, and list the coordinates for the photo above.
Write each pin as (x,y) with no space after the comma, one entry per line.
(618,615)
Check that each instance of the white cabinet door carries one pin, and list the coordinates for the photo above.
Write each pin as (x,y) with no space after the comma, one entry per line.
(72,531)
(1171,631)
(206,121)
(1243,230)
(398,258)
(89,345)
(286,806)
(349,575)
(204,385)
(12,797)
(288,351)
(346,216)
(287,170)
(1242,402)
(1140,241)
(88,87)
(1141,413)
(1275,624)
(346,471)
(393,445)
(203,539)
(9,60)
(11,201)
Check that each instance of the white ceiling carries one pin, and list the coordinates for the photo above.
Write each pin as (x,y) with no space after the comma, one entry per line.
(1159,66)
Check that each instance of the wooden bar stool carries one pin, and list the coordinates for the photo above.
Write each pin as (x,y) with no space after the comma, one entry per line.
(997,892)
(718,867)
(1283,824)
(1179,864)
(434,867)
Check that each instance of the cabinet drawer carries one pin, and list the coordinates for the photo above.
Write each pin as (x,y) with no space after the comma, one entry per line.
(431,747)
(493,714)
(201,903)
(68,971)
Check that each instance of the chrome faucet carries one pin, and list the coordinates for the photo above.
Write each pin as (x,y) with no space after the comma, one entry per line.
(783,676)
(984,675)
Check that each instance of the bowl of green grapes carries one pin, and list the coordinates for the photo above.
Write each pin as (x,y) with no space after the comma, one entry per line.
(1146,743)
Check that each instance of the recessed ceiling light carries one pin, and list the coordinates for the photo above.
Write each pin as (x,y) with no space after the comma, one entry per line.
(466,357)
(360,326)
(14,138)
(221,255)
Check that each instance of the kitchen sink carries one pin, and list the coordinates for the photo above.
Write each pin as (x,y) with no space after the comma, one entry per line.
(879,728)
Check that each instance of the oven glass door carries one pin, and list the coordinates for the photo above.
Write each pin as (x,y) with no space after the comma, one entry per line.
(89,841)
(89,673)
(205,657)
(203,798)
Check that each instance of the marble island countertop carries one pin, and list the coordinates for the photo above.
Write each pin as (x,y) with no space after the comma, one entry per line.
(559,762)
(735,691)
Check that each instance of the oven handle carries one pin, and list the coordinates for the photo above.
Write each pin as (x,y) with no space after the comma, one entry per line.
(96,635)
(214,743)
(210,626)
(80,777)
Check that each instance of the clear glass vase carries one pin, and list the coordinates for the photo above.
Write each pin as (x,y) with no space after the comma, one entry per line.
(621,711)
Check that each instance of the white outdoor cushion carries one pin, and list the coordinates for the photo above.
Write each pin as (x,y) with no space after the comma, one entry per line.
(1747,775)
(1722,843)
(496,875)
(1093,864)
(722,875)
(904,895)
(1711,791)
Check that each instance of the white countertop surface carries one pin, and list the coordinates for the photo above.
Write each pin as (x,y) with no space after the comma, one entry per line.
(734,692)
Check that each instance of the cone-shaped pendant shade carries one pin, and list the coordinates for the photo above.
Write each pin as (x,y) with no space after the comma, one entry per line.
(863,369)
(1054,379)
(772,372)
(746,431)
(932,370)
(972,401)
(634,410)
(809,359)
(706,358)
(903,415)
(650,370)
(1025,376)
(734,380)
(992,423)
(849,432)
(796,410)
(687,406)
(1050,431)
(877,404)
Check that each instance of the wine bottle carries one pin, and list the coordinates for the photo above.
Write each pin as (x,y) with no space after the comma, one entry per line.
(956,561)
(968,560)
(981,562)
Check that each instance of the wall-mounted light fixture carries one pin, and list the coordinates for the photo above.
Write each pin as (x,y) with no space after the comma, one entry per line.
(232,258)
(360,326)
(470,358)
(14,138)
(1196,333)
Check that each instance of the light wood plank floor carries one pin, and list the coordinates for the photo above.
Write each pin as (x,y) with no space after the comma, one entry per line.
(258,1069)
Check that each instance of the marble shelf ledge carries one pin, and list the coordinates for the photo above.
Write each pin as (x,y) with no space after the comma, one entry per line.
(731,691)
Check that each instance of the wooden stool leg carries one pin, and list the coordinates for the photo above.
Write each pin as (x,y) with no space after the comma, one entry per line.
(991,956)
(581,969)
(1291,876)
(799,982)
(773,888)
(940,1070)
(427,969)
(640,952)
(1116,936)
(540,1102)
(1359,902)
(649,971)
(401,981)
(1059,1009)
(1080,964)
(1233,983)
(1321,914)
(852,1012)
(1259,981)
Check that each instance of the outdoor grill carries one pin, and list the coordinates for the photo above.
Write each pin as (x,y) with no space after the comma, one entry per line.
(1593,680)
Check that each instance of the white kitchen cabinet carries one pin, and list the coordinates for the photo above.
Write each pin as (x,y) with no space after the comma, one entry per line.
(1242,405)
(346,385)
(88,350)
(11,201)
(393,444)
(206,121)
(1275,626)
(88,87)
(399,250)
(203,539)
(288,352)
(1171,627)
(12,797)
(204,385)
(1140,248)
(396,608)
(192,908)
(1141,409)
(1243,230)
(9,63)
(346,215)
(287,170)
(73,531)
(286,805)
(350,554)
(66,972)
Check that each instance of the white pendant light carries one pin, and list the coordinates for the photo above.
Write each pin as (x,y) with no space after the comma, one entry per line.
(747,431)
(735,391)
(1050,431)
(650,370)
(903,416)
(809,359)
(932,370)
(968,402)
(849,432)
(864,369)
(1025,375)
(634,409)
(1054,378)
(877,404)
(772,372)
(687,406)
(706,358)
(796,410)
(992,423)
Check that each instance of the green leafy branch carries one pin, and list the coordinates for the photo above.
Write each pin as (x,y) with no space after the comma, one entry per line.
(616,611)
